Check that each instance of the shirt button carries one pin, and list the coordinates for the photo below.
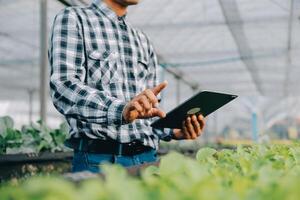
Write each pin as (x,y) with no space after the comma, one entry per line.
(114,55)
(122,24)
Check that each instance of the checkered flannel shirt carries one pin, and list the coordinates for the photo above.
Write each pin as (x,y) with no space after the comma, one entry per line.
(99,62)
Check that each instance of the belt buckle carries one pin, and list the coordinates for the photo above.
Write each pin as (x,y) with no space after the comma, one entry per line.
(130,148)
(132,143)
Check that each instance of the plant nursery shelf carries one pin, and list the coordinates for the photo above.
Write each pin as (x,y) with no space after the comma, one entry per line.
(35,157)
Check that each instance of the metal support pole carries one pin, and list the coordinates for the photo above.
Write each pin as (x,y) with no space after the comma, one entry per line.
(289,48)
(177,90)
(290,26)
(30,94)
(215,124)
(43,60)
(162,94)
(254,127)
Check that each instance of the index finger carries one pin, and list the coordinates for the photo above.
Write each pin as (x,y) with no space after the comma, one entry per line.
(156,90)
(201,120)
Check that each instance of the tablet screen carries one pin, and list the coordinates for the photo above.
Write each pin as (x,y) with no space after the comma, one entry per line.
(204,103)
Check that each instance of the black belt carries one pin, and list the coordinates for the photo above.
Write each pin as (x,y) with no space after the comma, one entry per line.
(108,147)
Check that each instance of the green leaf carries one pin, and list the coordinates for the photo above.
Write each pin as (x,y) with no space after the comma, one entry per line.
(205,153)
(172,163)
(296,154)
(6,122)
(64,128)
(50,188)
(93,190)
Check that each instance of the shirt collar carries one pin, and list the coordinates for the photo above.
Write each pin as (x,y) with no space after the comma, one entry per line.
(107,11)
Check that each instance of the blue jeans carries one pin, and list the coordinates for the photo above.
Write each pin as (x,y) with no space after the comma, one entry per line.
(83,161)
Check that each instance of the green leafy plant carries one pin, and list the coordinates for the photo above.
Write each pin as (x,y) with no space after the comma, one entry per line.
(33,138)
(249,173)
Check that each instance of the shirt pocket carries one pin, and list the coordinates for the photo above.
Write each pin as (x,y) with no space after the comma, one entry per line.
(102,67)
(141,73)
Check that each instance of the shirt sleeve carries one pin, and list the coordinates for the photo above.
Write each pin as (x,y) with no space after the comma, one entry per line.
(70,94)
(165,134)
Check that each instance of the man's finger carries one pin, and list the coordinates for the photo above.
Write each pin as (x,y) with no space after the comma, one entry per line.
(196,125)
(145,102)
(190,128)
(138,106)
(201,121)
(150,95)
(157,112)
(156,90)
(185,131)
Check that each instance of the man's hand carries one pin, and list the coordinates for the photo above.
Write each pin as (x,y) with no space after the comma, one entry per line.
(144,105)
(192,128)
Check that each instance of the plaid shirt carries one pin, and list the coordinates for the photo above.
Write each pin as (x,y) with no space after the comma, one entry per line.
(99,62)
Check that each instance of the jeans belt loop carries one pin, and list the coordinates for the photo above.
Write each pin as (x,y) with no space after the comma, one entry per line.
(80,144)
(120,149)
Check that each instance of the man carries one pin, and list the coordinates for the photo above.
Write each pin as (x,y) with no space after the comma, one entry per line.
(104,81)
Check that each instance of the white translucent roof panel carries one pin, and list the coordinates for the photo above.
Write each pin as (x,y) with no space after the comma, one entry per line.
(220,77)
(19,46)
(166,12)
(190,44)
(193,34)
(201,33)
(245,52)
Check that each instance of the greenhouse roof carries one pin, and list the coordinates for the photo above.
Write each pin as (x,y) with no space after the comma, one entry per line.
(249,48)
(244,47)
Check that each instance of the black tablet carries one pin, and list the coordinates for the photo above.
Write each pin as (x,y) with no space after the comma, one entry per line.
(204,103)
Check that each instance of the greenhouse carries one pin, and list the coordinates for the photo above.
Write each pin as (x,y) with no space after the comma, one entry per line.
(75,78)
